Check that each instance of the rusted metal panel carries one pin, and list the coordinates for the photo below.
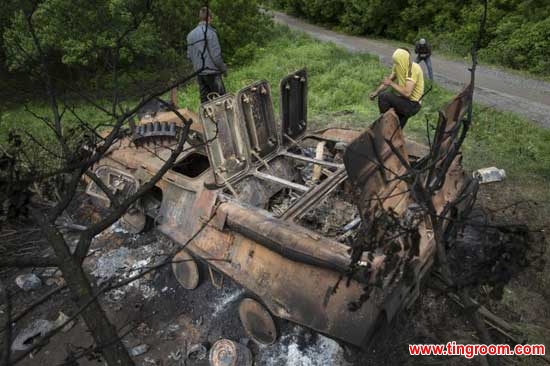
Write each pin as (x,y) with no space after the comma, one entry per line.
(448,131)
(319,303)
(375,165)
(227,146)
(344,135)
(295,241)
(255,107)
(293,95)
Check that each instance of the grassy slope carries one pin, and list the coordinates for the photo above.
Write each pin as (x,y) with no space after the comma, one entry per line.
(339,83)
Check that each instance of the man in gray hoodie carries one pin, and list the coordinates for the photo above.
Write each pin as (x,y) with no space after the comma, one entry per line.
(207,59)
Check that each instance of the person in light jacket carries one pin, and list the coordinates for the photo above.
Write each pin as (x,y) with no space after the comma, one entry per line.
(206,59)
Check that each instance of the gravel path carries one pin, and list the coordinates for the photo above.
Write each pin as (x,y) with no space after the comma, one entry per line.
(495,88)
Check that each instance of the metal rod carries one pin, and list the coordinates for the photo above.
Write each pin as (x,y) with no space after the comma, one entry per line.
(314,196)
(282,181)
(229,186)
(259,158)
(312,160)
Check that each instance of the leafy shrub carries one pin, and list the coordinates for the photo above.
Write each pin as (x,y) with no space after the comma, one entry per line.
(517,31)
(83,33)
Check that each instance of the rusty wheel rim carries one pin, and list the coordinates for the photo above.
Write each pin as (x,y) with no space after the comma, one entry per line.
(223,353)
(257,322)
(185,270)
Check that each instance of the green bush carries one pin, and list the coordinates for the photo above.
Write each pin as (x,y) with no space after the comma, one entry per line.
(522,46)
(517,31)
(84,34)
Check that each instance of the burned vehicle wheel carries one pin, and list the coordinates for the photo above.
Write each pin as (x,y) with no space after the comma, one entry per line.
(257,321)
(186,270)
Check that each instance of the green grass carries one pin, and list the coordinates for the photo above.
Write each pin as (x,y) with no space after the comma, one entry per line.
(339,83)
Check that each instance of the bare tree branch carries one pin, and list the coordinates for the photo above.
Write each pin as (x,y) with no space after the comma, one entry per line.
(7,327)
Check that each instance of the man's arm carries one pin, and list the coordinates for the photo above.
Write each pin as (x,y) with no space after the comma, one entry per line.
(406,90)
(216,52)
(189,53)
(188,40)
(383,86)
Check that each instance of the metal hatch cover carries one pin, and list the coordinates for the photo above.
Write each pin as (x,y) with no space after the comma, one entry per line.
(227,146)
(375,161)
(293,106)
(255,107)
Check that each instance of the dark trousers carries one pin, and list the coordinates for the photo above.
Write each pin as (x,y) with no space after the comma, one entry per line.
(211,83)
(404,107)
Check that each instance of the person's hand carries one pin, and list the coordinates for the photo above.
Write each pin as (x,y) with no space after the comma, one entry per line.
(387,81)
(373,95)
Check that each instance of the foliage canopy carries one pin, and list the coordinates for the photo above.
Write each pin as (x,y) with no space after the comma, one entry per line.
(83,33)
(518,31)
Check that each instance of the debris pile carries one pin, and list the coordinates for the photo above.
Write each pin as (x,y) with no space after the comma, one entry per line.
(490,255)
(28,282)
(335,216)
(38,329)
(301,347)
(122,263)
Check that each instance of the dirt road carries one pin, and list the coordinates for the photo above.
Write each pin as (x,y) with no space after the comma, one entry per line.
(496,88)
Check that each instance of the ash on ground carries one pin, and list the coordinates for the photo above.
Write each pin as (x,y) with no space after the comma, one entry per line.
(167,325)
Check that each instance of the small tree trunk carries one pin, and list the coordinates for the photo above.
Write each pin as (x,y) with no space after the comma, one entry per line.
(103,332)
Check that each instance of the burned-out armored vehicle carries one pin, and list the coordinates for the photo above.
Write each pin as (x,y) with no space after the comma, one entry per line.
(274,207)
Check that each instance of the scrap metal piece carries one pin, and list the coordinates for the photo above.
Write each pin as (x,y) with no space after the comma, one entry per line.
(134,220)
(256,192)
(257,321)
(186,270)
(449,129)
(121,183)
(310,198)
(281,181)
(228,353)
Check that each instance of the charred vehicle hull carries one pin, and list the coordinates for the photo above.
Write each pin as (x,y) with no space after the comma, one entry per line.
(274,208)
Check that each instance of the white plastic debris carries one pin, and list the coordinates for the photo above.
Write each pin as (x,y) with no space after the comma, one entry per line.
(36,329)
(61,319)
(28,282)
(488,175)
(139,350)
